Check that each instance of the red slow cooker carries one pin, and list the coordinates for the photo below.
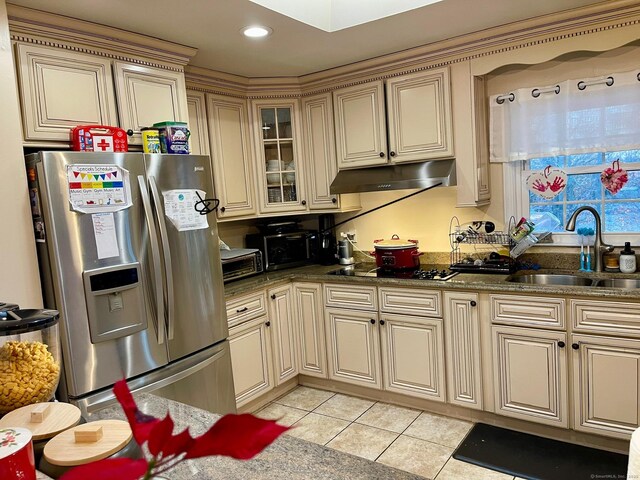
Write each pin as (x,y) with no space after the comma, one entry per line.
(396,254)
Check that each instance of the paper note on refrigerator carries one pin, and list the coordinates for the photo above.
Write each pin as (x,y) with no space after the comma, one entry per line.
(98,188)
(179,207)
(104,229)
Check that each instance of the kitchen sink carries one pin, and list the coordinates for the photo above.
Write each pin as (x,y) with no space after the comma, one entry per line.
(552,279)
(626,283)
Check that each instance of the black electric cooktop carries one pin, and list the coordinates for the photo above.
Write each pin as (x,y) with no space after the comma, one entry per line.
(425,272)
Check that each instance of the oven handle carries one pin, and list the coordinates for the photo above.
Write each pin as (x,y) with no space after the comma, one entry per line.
(168,271)
(155,257)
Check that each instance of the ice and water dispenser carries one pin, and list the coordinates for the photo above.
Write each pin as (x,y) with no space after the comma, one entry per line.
(115,301)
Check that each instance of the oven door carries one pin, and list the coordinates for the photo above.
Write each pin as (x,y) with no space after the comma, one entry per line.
(286,250)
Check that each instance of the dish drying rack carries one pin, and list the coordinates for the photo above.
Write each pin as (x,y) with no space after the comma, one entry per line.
(475,251)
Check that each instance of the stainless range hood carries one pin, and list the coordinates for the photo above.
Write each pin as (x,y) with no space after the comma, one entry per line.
(395,177)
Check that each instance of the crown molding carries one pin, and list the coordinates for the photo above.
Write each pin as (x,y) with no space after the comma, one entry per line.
(43,28)
(509,38)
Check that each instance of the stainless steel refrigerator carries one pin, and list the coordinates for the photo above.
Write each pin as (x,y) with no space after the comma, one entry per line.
(129,255)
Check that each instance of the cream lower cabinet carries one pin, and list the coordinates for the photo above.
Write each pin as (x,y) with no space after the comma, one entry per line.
(284,333)
(413,355)
(147,95)
(231,158)
(530,374)
(606,385)
(388,350)
(309,312)
(353,347)
(250,345)
(60,89)
(463,357)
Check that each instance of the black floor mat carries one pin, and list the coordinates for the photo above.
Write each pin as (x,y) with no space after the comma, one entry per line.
(531,457)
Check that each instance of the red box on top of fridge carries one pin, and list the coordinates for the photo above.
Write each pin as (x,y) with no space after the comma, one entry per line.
(99,138)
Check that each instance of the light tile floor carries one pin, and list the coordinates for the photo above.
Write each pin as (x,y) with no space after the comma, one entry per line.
(411,440)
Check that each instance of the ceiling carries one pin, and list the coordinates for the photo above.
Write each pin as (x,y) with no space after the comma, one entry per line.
(294,48)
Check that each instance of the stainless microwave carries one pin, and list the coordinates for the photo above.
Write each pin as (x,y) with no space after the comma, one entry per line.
(240,263)
(286,249)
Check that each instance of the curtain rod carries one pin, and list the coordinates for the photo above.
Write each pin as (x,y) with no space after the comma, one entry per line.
(536,92)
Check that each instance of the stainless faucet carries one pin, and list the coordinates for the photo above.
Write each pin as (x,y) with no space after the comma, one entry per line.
(600,247)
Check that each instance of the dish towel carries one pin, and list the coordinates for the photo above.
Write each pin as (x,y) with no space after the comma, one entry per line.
(633,470)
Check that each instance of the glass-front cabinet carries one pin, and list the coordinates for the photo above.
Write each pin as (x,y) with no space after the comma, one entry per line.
(279,162)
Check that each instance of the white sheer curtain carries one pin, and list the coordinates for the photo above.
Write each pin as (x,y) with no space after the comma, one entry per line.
(574,116)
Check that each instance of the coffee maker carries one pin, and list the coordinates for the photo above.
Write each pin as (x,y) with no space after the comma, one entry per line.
(327,254)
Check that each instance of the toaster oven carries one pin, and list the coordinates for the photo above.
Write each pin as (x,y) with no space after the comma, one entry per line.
(240,263)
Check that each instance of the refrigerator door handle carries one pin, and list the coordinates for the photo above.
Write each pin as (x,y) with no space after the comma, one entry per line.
(164,237)
(155,257)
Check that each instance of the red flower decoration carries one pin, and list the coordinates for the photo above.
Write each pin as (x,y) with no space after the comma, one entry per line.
(237,436)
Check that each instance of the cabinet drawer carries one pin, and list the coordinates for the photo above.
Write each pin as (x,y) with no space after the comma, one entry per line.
(527,310)
(246,307)
(349,296)
(426,303)
(593,316)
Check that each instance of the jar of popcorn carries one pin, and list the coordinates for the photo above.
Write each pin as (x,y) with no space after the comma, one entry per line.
(29,357)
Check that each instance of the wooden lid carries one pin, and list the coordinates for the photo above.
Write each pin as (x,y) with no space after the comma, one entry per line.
(55,417)
(65,451)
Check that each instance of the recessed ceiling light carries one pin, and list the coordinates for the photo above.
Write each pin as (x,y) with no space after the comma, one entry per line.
(256,31)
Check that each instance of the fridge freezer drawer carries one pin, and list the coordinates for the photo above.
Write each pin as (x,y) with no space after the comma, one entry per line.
(115,301)
(202,380)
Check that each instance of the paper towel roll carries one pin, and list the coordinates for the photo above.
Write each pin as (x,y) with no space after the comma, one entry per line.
(633,469)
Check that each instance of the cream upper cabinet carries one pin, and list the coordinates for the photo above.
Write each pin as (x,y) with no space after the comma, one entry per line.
(416,117)
(199,138)
(250,345)
(419,116)
(309,312)
(469,103)
(353,347)
(606,385)
(319,144)
(147,95)
(463,357)
(231,156)
(279,166)
(284,333)
(60,89)
(361,138)
(530,374)
(413,356)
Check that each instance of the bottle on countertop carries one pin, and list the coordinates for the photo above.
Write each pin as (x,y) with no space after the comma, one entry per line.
(627,259)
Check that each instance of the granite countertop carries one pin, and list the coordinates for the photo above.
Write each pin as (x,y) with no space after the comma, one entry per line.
(462,281)
(287,458)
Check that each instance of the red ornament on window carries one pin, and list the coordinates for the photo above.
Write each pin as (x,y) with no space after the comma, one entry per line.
(614,178)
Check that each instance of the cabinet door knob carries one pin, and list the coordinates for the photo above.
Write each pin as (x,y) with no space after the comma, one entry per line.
(381,154)
(381,322)
(273,296)
(561,344)
(334,200)
(575,346)
(130,132)
(373,322)
(304,202)
(473,303)
(268,324)
(223,209)
(392,154)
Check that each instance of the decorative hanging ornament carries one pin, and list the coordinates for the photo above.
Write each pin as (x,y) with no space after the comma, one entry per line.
(614,178)
(548,183)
